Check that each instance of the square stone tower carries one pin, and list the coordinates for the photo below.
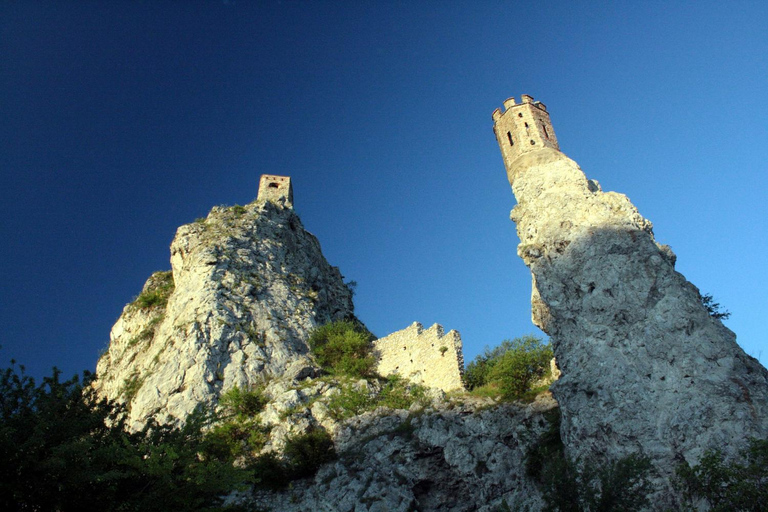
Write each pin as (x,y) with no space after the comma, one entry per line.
(522,128)
(277,189)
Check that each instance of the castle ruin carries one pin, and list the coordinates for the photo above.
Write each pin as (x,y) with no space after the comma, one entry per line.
(277,189)
(427,357)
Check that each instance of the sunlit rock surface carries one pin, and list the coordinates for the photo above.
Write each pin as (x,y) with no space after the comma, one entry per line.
(645,368)
(249,284)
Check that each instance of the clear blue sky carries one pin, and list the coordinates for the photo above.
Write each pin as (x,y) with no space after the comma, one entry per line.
(120,121)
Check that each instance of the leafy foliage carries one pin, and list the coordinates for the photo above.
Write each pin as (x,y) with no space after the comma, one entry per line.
(739,485)
(240,434)
(305,453)
(569,487)
(713,308)
(62,448)
(511,368)
(343,348)
(243,403)
(157,293)
(350,401)
(303,456)
(395,393)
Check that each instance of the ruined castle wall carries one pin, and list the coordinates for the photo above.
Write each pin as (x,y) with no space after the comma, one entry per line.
(427,357)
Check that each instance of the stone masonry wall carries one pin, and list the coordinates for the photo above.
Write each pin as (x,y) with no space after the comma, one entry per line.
(428,357)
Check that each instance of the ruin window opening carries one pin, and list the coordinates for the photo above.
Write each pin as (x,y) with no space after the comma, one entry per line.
(273,185)
(533,143)
(546,133)
(519,115)
(509,136)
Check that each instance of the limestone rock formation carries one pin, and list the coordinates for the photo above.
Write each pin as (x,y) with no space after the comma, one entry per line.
(451,456)
(645,368)
(247,286)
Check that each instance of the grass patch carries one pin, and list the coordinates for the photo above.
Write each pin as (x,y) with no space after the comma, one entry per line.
(131,387)
(148,332)
(157,291)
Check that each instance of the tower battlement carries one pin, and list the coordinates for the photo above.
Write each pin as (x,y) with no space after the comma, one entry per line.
(523,127)
(277,189)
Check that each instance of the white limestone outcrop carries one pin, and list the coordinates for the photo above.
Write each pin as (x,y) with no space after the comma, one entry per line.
(249,284)
(645,368)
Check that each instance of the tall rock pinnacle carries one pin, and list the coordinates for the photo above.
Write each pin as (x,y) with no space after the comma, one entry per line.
(248,285)
(645,368)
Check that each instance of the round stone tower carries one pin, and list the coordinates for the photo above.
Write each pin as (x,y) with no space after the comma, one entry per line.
(522,128)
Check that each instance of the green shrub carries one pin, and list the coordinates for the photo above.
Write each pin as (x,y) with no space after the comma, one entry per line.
(395,393)
(65,449)
(343,348)
(398,393)
(239,434)
(305,453)
(621,484)
(160,287)
(269,472)
(737,485)
(232,439)
(243,403)
(350,401)
(509,369)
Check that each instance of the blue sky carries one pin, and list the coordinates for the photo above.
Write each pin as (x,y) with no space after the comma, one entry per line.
(123,120)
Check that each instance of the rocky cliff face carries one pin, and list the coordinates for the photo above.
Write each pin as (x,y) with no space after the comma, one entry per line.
(645,368)
(247,286)
(459,455)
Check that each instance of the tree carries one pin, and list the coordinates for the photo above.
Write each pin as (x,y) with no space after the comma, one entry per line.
(713,308)
(63,448)
(733,485)
(512,367)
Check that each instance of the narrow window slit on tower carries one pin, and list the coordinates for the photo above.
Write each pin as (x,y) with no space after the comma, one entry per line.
(546,133)
(509,136)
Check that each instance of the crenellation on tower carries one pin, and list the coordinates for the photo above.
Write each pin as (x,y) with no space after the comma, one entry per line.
(277,189)
(523,127)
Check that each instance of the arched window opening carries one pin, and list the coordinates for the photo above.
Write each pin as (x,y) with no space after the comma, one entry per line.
(509,136)
(274,185)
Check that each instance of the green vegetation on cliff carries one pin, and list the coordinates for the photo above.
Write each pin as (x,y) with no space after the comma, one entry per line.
(343,348)
(158,290)
(510,369)
(62,448)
